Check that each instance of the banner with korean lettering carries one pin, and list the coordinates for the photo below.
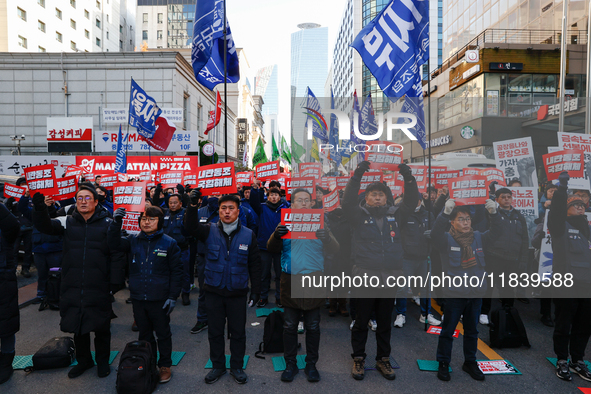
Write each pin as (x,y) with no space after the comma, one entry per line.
(13,191)
(493,174)
(304,183)
(267,171)
(302,223)
(310,169)
(143,111)
(368,178)
(129,195)
(396,185)
(189,179)
(442,177)
(342,182)
(328,182)
(331,201)
(469,189)
(131,222)
(170,179)
(472,171)
(67,188)
(217,179)
(564,160)
(109,181)
(74,170)
(245,177)
(525,200)
(582,142)
(41,179)
(420,173)
(516,159)
(384,155)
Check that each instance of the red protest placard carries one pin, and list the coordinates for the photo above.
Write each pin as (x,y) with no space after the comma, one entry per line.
(494,174)
(146,176)
(571,160)
(131,223)
(435,169)
(442,177)
(305,183)
(14,191)
(267,171)
(437,331)
(216,179)
(67,188)
(342,182)
(310,169)
(302,223)
(469,189)
(245,178)
(74,170)
(170,179)
(396,186)
(41,179)
(129,195)
(108,181)
(190,180)
(331,201)
(471,171)
(369,178)
(384,155)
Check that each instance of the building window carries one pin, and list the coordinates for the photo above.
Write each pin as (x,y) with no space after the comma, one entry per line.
(73,45)
(58,13)
(160,17)
(108,18)
(159,34)
(87,34)
(41,49)
(186,111)
(73,3)
(98,4)
(21,13)
(22,42)
(58,36)
(86,14)
(42,4)
(145,17)
(73,24)
(98,42)
(120,44)
(144,35)
(41,26)
(107,34)
(98,23)
(120,29)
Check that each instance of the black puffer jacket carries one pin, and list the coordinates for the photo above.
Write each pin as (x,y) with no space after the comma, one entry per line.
(9,315)
(89,266)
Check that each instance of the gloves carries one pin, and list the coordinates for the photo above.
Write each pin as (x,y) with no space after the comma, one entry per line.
(563,178)
(427,234)
(118,215)
(405,171)
(9,202)
(491,206)
(195,196)
(115,288)
(39,201)
(254,298)
(280,231)
(362,168)
(180,188)
(187,188)
(169,306)
(124,232)
(449,206)
(491,187)
(322,235)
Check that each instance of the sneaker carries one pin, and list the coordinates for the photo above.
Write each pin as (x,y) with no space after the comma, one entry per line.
(547,321)
(200,326)
(291,370)
(562,370)
(484,320)
(351,325)
(214,375)
(301,328)
(185,298)
(443,371)
(580,368)
(239,375)
(416,300)
(38,300)
(312,373)
(384,367)
(430,319)
(279,304)
(442,318)
(473,370)
(262,302)
(128,301)
(25,272)
(400,320)
(373,325)
(165,375)
(134,327)
(358,371)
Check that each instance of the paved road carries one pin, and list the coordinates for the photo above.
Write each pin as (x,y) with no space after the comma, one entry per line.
(408,344)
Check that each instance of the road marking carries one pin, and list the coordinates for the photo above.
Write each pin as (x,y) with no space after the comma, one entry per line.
(482,346)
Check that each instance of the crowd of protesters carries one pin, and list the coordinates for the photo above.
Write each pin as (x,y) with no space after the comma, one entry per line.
(236,247)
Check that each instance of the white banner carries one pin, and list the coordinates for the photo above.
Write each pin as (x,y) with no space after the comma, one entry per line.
(15,165)
(525,200)
(182,141)
(516,159)
(121,115)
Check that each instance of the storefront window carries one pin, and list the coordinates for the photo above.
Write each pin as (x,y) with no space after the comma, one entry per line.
(520,82)
(545,83)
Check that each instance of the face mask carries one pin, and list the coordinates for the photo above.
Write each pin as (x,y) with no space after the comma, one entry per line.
(101,198)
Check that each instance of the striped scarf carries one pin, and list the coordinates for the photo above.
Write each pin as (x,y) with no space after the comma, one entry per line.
(465,241)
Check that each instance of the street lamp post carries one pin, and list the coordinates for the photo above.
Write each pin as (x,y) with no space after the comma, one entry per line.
(562,65)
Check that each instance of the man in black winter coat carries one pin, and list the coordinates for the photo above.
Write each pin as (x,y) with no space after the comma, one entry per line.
(90,271)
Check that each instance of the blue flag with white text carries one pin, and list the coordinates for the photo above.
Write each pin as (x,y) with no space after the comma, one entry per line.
(121,158)
(319,126)
(207,55)
(333,136)
(143,111)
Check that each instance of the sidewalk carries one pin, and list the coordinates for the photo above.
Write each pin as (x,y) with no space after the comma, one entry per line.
(26,294)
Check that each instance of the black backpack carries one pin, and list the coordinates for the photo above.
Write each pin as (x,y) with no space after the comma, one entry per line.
(137,372)
(52,301)
(273,335)
(507,329)
(59,352)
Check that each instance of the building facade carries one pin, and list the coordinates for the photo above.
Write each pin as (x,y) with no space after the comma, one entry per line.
(165,23)
(67,25)
(309,58)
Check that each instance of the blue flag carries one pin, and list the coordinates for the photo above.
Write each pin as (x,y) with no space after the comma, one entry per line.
(319,126)
(393,46)
(367,124)
(143,111)
(333,136)
(121,158)
(207,54)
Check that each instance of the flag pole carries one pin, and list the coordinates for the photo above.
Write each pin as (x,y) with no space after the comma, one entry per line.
(225,85)
(429,177)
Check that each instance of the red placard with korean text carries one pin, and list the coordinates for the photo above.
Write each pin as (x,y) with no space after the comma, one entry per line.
(41,179)
(493,174)
(129,195)
(469,189)
(471,171)
(442,177)
(310,169)
(302,223)
(190,179)
(331,201)
(216,179)
(571,160)
(384,155)
(267,171)
(245,177)
(67,188)
(74,170)
(368,178)
(109,181)
(396,186)
(131,222)
(305,183)
(170,179)
(14,191)
(342,182)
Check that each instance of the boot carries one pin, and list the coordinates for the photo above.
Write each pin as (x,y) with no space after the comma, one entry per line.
(6,370)
(332,307)
(358,371)
(343,307)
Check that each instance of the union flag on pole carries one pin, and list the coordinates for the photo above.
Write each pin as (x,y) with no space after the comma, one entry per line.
(214,116)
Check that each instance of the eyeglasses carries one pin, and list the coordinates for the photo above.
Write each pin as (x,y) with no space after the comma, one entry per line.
(464,220)
(149,220)
(578,206)
(87,198)
(300,201)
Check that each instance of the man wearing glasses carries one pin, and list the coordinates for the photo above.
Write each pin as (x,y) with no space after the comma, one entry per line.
(91,270)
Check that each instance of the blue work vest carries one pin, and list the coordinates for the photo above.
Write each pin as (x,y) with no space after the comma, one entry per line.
(173,227)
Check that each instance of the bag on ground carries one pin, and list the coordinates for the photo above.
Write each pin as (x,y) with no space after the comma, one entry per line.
(137,372)
(507,329)
(273,334)
(59,352)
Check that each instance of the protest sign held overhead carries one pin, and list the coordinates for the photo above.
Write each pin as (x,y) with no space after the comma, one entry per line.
(169,179)
(468,190)
(216,179)
(267,171)
(302,223)
(245,177)
(368,178)
(308,183)
(13,191)
(67,187)
(310,169)
(129,195)
(108,181)
(384,155)
(565,160)
(516,159)
(442,177)
(331,201)
(41,179)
